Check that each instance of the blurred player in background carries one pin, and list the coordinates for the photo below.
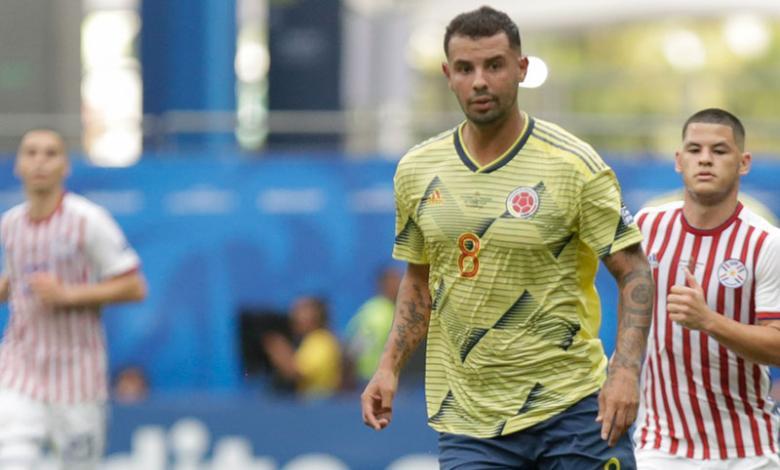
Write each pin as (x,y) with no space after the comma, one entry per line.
(367,331)
(502,221)
(716,325)
(313,365)
(64,258)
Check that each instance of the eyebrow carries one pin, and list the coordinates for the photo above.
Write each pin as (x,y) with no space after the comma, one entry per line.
(489,59)
(720,143)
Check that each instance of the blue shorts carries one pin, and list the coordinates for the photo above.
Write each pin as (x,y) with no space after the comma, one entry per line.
(568,441)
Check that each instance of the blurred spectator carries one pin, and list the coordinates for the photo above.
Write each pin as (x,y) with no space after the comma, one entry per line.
(314,367)
(367,331)
(131,385)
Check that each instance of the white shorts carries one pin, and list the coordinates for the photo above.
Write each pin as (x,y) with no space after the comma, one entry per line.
(74,433)
(658,460)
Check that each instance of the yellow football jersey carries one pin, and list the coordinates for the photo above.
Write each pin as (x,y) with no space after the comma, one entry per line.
(513,249)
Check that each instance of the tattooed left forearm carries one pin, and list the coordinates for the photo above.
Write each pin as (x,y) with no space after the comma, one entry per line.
(635,307)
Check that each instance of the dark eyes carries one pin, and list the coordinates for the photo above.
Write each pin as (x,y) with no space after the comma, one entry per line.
(717,151)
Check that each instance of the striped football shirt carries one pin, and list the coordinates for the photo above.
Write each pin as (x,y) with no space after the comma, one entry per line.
(701,400)
(58,355)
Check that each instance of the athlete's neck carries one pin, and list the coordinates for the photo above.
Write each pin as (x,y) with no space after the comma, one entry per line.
(705,216)
(488,142)
(42,204)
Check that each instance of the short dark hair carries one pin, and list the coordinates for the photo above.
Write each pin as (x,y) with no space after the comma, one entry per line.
(48,130)
(719,116)
(481,23)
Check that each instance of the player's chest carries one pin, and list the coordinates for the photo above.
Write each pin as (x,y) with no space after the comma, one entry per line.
(514,211)
(721,264)
(47,247)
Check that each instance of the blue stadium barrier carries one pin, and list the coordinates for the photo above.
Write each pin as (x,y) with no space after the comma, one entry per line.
(196,428)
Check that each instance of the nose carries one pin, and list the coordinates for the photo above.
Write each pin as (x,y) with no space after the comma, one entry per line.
(479,80)
(705,157)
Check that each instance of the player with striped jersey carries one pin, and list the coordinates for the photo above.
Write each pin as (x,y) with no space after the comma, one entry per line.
(716,324)
(502,221)
(64,257)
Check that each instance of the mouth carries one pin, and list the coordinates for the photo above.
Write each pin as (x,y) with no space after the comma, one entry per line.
(482,102)
(705,176)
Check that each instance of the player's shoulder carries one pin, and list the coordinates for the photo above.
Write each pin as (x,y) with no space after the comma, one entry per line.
(81,206)
(13,214)
(753,219)
(560,144)
(656,210)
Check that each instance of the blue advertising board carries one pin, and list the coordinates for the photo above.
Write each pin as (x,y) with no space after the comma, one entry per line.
(218,236)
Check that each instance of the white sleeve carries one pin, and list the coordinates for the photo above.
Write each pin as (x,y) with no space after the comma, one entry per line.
(768,279)
(107,247)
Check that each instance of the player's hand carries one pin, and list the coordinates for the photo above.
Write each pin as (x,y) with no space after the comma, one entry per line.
(618,404)
(377,399)
(278,348)
(48,289)
(686,305)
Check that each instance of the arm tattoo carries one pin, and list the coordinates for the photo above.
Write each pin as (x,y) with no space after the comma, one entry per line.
(410,322)
(635,310)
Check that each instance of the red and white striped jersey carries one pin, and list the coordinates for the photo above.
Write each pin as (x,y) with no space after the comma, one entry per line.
(58,355)
(699,399)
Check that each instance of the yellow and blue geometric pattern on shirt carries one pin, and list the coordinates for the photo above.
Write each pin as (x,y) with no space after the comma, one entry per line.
(513,249)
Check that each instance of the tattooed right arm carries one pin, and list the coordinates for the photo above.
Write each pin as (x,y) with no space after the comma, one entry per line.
(410,321)
(410,326)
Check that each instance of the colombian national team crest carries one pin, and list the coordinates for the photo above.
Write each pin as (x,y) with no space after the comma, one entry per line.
(523,202)
(732,273)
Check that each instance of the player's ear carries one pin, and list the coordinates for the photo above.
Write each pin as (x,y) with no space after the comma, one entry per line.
(677,162)
(745,163)
(522,62)
(445,68)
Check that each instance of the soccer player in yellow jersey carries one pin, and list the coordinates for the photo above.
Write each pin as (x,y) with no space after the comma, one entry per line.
(502,221)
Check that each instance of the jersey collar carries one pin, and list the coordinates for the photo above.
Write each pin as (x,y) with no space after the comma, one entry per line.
(506,157)
(713,231)
(47,218)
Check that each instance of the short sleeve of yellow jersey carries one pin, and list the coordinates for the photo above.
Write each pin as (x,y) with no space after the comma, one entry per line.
(409,243)
(605,224)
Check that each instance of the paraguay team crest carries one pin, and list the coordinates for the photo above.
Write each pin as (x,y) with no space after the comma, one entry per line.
(732,273)
(523,202)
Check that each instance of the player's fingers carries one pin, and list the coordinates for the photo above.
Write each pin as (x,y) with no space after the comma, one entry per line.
(607,419)
(368,408)
(387,399)
(602,399)
(631,416)
(677,308)
(386,412)
(679,290)
(680,299)
(619,426)
(675,299)
(691,280)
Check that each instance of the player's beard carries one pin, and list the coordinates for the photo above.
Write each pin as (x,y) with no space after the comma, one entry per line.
(499,112)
